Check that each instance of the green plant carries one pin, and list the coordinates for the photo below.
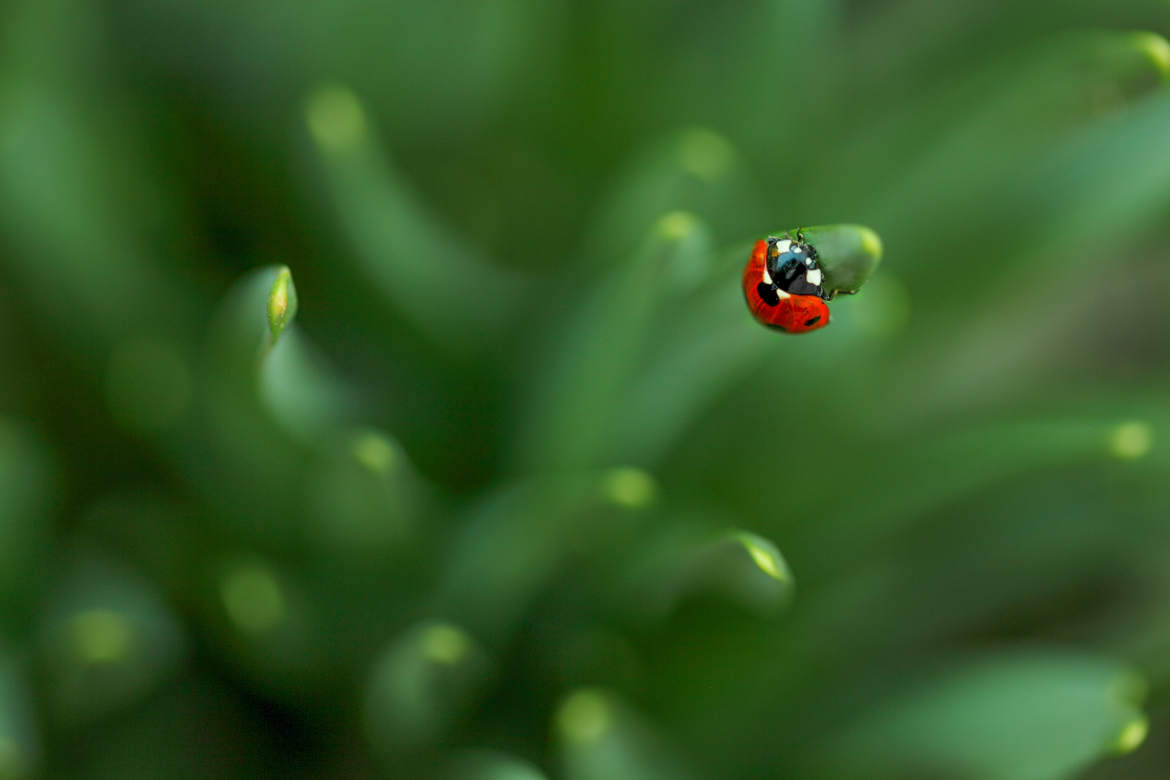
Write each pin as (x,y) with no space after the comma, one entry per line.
(509,484)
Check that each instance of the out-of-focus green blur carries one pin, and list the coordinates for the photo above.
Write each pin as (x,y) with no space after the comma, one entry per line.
(377,395)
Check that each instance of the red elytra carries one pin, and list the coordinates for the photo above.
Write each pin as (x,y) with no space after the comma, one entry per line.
(794,314)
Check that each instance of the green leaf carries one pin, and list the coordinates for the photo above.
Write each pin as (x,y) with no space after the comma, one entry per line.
(20,749)
(847,254)
(743,568)
(1022,715)
(423,684)
(600,738)
(28,483)
(267,623)
(487,765)
(591,361)
(107,641)
(413,262)
(515,540)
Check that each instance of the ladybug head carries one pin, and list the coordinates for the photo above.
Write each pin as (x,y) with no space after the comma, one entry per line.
(792,266)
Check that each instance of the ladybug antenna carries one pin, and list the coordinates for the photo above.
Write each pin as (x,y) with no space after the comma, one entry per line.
(800,235)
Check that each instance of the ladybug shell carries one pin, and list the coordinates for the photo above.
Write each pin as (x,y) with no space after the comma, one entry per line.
(794,314)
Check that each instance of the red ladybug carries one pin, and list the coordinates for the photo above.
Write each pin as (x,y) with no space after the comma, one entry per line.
(783,285)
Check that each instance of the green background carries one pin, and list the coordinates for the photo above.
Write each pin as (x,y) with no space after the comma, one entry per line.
(522,490)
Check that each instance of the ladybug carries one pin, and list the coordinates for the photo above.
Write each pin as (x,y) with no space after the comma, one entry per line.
(783,285)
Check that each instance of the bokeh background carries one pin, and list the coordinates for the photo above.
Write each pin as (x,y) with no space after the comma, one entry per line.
(522,491)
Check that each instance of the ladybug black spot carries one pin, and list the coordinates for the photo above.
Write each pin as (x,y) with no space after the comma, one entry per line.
(768,293)
(813,321)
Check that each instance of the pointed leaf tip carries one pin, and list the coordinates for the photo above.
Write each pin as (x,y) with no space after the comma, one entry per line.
(848,254)
(1157,49)
(282,303)
(1132,735)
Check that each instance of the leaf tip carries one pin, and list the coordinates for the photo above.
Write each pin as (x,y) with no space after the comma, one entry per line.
(765,555)
(336,118)
(1157,49)
(584,716)
(677,225)
(101,636)
(704,153)
(252,598)
(1132,734)
(871,242)
(1131,440)
(282,303)
(630,487)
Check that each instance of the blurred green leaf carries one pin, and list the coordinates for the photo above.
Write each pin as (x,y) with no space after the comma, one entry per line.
(106,642)
(513,542)
(1026,714)
(20,747)
(28,484)
(742,567)
(592,359)
(599,737)
(423,684)
(487,765)
(442,285)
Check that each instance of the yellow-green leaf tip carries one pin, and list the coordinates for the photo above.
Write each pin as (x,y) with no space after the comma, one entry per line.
(629,487)
(282,303)
(336,118)
(766,556)
(871,242)
(444,644)
(1131,440)
(252,598)
(704,154)
(375,452)
(677,225)
(101,636)
(1132,735)
(1157,49)
(584,716)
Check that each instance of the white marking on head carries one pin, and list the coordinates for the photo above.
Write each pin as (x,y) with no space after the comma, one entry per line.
(814,276)
(783,245)
(767,277)
(781,294)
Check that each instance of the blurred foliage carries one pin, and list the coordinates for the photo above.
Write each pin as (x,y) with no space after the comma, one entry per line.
(508,484)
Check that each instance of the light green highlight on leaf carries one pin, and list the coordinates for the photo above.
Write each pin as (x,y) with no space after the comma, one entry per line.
(584,716)
(704,153)
(101,636)
(677,225)
(1157,48)
(252,598)
(375,452)
(766,556)
(444,643)
(282,303)
(336,118)
(1132,735)
(423,684)
(1131,440)
(630,487)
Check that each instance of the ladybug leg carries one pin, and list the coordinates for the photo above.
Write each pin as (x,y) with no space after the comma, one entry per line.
(800,235)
